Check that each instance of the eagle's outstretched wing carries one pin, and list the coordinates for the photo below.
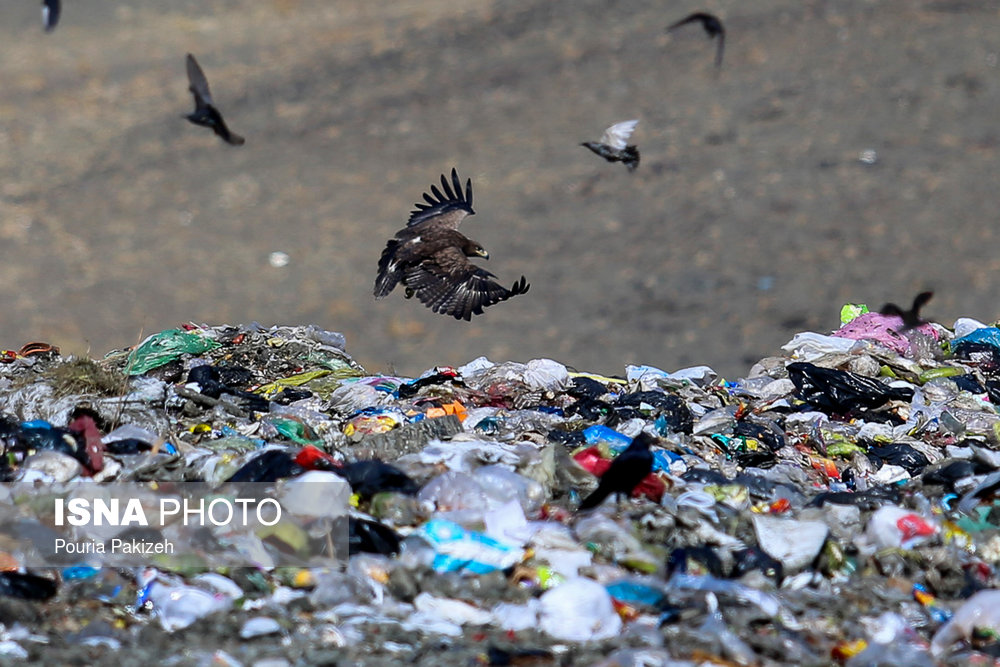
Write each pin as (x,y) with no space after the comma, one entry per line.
(446,209)
(449,284)
(388,270)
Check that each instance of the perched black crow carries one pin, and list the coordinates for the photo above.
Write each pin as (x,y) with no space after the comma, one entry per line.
(626,471)
(614,147)
(712,26)
(911,317)
(50,14)
(205,112)
(429,257)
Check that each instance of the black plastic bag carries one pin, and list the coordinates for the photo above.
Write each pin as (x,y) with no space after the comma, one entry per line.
(985,356)
(270,466)
(26,586)
(766,433)
(695,560)
(899,454)
(371,537)
(870,499)
(673,408)
(841,392)
(753,558)
(370,477)
(948,474)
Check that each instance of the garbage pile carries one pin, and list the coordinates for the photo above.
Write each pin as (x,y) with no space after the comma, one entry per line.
(837,506)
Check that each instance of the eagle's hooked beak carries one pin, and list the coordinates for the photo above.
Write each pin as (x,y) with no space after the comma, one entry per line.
(482,253)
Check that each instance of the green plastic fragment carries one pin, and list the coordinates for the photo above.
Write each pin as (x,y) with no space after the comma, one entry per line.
(293,381)
(843,448)
(736,443)
(185,564)
(164,347)
(639,563)
(851,311)
(293,430)
(940,372)
(286,533)
(322,382)
(734,495)
(231,443)
(978,522)
(340,367)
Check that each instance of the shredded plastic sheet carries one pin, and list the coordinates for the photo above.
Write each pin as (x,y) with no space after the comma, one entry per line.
(884,330)
(164,347)
(460,549)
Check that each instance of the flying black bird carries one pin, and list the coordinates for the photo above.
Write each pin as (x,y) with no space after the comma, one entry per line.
(712,26)
(613,144)
(625,472)
(429,257)
(50,14)
(205,112)
(911,317)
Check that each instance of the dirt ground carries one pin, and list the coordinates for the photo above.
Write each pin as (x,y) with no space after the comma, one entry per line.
(846,151)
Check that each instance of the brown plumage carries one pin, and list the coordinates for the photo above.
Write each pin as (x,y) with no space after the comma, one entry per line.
(430,257)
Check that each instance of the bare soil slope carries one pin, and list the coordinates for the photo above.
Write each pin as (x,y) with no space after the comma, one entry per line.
(751,216)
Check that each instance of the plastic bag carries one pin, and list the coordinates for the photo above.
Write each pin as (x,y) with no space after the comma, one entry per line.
(841,392)
(164,347)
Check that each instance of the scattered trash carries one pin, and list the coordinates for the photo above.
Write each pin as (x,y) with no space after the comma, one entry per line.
(841,503)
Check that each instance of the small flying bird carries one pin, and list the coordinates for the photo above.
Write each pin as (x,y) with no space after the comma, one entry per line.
(613,144)
(50,14)
(205,112)
(712,26)
(430,257)
(625,472)
(911,318)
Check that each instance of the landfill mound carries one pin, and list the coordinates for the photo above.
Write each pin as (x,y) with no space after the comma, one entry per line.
(836,506)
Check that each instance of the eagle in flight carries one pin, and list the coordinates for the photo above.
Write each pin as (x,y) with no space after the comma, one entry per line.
(430,257)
